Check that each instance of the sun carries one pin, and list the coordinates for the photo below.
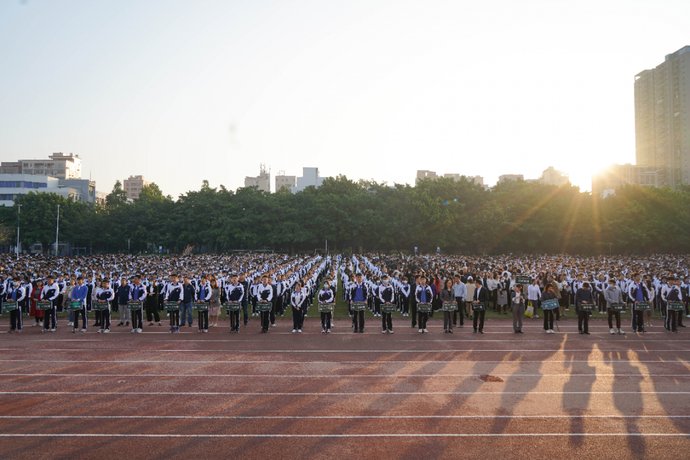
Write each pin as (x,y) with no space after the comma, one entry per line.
(581,174)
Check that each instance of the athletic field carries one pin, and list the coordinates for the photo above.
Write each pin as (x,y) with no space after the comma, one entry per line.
(407,395)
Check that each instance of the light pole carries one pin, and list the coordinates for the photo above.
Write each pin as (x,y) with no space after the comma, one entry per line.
(57,231)
(19,211)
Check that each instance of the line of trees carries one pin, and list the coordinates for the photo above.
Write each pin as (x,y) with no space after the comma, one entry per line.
(457,216)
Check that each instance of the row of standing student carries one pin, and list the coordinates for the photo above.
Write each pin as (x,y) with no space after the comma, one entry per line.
(357,292)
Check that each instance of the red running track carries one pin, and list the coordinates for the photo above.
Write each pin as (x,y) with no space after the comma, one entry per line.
(252,395)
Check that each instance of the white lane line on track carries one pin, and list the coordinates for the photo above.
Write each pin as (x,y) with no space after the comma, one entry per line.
(387,361)
(337,417)
(329,435)
(337,376)
(350,351)
(336,393)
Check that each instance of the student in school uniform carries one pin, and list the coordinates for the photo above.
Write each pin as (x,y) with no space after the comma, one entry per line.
(583,295)
(79,294)
(423,294)
(673,294)
(637,292)
(534,295)
(517,301)
(173,293)
(203,295)
(214,304)
(460,294)
(122,296)
(51,293)
(405,297)
(326,296)
(3,291)
(17,294)
(25,302)
(235,293)
(105,293)
(246,285)
(153,291)
(264,293)
(187,300)
(137,294)
(447,296)
(297,300)
(35,297)
(386,297)
(470,287)
(613,295)
(358,293)
(550,294)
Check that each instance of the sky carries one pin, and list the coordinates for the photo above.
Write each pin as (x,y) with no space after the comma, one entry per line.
(186,91)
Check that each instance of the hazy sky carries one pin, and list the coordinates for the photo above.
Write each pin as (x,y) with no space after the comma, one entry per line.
(182,91)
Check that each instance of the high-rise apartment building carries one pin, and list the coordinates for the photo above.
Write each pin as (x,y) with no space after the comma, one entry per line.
(133,186)
(662,118)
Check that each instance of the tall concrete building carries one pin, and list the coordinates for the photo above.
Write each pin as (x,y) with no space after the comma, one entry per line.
(606,182)
(261,182)
(478,180)
(552,176)
(12,186)
(510,178)
(423,174)
(133,186)
(60,173)
(60,165)
(285,182)
(662,118)
(310,178)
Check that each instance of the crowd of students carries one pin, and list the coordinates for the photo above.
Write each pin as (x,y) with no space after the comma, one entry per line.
(268,286)
(525,286)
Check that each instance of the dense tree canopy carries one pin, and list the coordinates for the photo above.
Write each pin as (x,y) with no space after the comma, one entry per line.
(457,216)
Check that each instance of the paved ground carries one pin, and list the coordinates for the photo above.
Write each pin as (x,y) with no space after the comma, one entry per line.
(368,395)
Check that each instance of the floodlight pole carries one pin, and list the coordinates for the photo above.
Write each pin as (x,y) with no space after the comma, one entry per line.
(19,211)
(57,231)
